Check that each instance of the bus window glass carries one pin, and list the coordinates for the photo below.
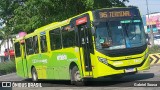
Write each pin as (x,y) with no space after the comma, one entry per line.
(122,34)
(55,39)
(17,49)
(101,34)
(134,34)
(29,46)
(35,44)
(68,37)
(43,44)
(117,35)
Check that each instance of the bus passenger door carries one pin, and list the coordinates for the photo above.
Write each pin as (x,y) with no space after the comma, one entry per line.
(85,44)
(20,60)
(24,61)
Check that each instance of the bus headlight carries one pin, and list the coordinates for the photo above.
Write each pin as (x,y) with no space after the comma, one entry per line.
(103,60)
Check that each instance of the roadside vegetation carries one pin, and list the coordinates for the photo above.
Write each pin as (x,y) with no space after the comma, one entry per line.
(154,49)
(7,67)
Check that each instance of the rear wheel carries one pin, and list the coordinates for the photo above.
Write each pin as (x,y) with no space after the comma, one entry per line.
(34,75)
(76,77)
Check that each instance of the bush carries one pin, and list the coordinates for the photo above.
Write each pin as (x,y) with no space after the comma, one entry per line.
(154,49)
(7,67)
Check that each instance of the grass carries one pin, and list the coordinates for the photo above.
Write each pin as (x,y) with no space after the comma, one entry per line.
(7,67)
(154,49)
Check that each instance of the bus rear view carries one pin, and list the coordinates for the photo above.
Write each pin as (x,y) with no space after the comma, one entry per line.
(120,42)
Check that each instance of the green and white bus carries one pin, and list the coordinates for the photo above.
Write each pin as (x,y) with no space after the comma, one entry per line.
(94,44)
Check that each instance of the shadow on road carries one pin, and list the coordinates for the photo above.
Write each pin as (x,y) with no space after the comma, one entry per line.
(124,81)
(127,80)
(139,76)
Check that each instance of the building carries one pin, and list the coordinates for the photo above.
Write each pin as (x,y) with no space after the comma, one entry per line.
(154,22)
(3,49)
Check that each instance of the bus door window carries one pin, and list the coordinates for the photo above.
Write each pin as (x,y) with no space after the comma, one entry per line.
(17,49)
(43,43)
(82,28)
(84,38)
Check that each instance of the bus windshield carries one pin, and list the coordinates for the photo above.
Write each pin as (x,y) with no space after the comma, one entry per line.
(120,34)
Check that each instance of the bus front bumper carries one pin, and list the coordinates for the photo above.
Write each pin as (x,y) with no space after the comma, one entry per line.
(108,70)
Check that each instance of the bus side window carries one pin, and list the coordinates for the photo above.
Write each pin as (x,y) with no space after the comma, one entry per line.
(55,39)
(68,36)
(29,46)
(43,44)
(35,44)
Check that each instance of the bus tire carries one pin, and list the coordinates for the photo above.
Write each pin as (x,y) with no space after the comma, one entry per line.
(76,77)
(34,75)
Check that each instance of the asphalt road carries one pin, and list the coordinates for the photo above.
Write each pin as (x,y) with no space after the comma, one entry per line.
(148,76)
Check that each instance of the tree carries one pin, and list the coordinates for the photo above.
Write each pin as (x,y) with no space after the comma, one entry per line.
(32,14)
(7,8)
(27,15)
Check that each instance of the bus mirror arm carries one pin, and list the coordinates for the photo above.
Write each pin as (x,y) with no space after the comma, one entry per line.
(148,43)
(93,30)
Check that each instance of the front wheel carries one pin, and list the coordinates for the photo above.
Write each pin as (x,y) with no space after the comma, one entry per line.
(34,75)
(76,77)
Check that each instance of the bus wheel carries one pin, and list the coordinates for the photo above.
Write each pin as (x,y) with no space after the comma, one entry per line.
(76,77)
(34,75)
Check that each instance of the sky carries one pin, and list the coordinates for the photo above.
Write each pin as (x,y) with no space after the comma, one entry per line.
(153,5)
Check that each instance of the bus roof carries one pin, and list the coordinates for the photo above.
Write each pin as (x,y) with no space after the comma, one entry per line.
(29,35)
(57,24)
(46,27)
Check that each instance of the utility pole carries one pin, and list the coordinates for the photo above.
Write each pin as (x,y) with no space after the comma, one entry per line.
(151,40)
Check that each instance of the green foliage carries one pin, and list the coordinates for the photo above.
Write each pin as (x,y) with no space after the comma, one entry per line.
(27,15)
(7,8)
(7,67)
(154,49)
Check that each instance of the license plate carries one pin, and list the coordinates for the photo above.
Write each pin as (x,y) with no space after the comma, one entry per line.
(129,70)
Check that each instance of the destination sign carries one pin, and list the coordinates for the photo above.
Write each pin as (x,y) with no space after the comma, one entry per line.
(114,14)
